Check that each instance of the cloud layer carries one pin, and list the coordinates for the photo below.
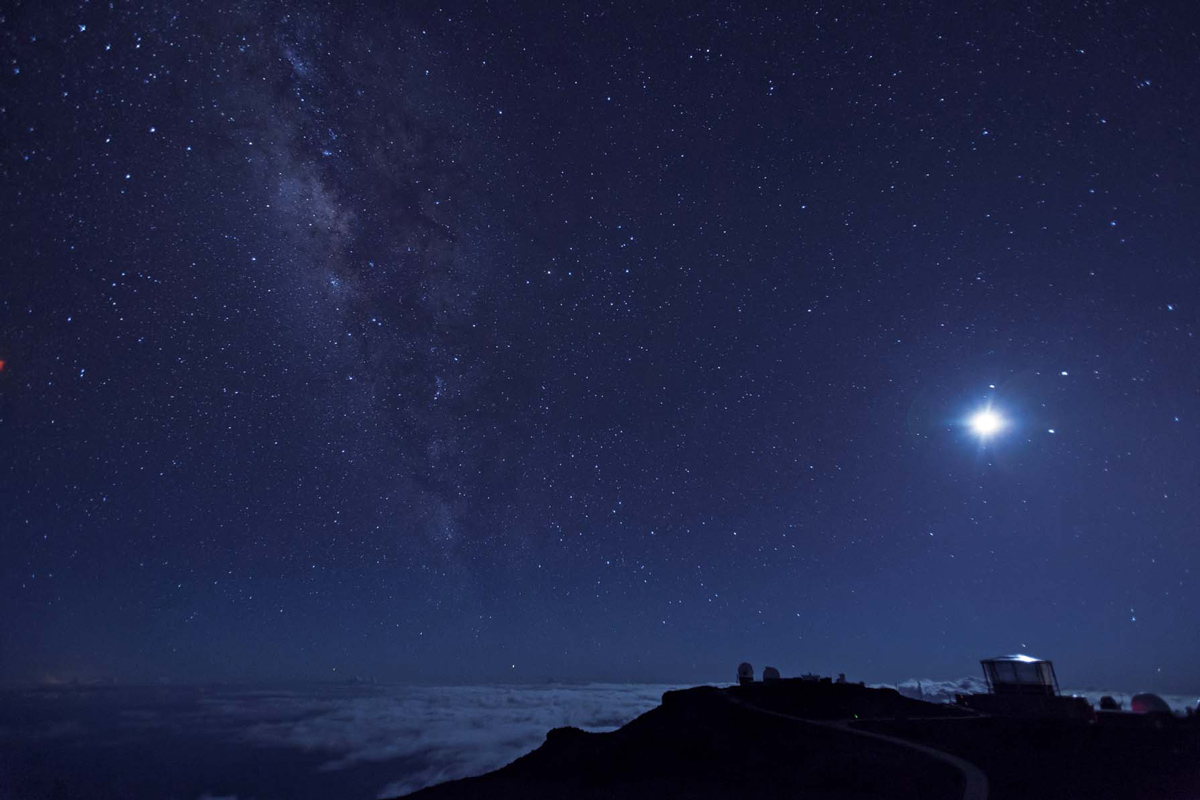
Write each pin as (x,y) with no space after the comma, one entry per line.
(372,741)
(452,732)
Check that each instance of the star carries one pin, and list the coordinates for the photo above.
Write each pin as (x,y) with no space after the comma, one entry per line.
(986,423)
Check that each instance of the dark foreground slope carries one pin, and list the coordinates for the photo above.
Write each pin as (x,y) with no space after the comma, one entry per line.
(701,744)
(719,743)
(1125,758)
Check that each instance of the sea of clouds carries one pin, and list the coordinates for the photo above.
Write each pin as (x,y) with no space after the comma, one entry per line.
(353,741)
(359,741)
(453,732)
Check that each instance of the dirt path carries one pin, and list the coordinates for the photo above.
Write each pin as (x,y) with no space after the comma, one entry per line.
(975,782)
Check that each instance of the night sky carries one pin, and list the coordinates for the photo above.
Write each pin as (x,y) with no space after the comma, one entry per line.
(518,342)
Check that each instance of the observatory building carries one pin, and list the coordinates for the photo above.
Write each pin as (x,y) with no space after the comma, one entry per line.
(1020,674)
(1024,686)
(745,673)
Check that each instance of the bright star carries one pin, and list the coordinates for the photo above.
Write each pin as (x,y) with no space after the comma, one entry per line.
(986,423)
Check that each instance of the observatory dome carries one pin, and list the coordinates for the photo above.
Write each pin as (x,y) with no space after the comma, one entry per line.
(1148,703)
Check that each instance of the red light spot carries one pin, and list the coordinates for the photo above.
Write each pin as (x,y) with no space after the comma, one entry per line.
(2,365)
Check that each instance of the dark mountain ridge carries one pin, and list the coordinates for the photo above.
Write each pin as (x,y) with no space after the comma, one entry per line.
(803,738)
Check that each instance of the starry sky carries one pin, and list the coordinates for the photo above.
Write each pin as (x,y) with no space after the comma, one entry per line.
(598,342)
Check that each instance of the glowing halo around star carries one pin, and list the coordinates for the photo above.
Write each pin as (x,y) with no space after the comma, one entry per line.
(986,423)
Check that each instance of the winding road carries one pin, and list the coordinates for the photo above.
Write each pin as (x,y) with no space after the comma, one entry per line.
(975,785)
